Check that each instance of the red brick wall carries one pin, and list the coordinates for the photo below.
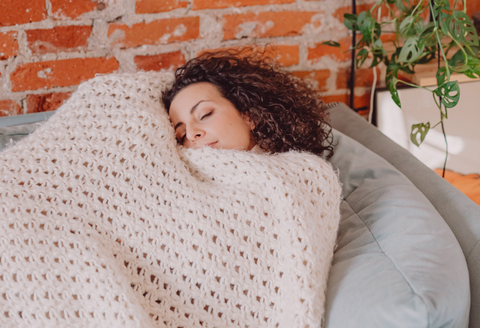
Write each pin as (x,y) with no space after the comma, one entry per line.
(48,47)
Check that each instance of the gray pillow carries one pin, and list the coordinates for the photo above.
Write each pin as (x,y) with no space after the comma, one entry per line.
(14,128)
(397,263)
(10,135)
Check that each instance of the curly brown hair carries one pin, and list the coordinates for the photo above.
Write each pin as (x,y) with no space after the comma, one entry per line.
(288,114)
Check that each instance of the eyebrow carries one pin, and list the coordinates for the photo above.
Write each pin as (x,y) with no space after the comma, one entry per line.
(192,110)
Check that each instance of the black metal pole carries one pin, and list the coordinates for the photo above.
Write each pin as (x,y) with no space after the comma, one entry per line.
(352,65)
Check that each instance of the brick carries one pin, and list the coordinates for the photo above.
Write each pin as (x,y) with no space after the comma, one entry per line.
(362,101)
(60,73)
(338,54)
(363,77)
(287,55)
(155,6)
(9,108)
(58,39)
(46,102)
(71,9)
(217,4)
(8,45)
(267,24)
(472,7)
(22,11)
(170,61)
(157,32)
(387,37)
(317,78)
(343,75)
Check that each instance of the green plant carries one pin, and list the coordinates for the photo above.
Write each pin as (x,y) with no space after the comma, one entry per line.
(417,42)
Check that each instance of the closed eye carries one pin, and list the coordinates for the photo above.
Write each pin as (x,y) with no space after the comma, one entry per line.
(206,115)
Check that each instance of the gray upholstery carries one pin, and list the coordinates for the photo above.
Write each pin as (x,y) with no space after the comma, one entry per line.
(460,213)
(396,262)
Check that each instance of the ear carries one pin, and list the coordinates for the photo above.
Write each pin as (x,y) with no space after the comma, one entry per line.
(248,121)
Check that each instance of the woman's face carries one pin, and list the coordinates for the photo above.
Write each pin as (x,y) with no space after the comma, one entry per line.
(203,117)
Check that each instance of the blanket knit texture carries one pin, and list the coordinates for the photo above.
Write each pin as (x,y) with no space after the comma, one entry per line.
(107,222)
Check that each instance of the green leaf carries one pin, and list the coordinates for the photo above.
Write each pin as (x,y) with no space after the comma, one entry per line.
(331,44)
(428,37)
(403,5)
(474,51)
(449,93)
(377,59)
(377,31)
(441,75)
(379,53)
(377,48)
(419,132)
(442,5)
(462,64)
(407,69)
(392,72)
(472,73)
(460,27)
(361,57)
(428,54)
(366,25)
(411,50)
(391,80)
(458,59)
(394,93)
(350,21)
(411,26)
(439,8)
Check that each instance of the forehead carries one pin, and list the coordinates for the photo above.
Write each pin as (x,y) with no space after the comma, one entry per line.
(192,94)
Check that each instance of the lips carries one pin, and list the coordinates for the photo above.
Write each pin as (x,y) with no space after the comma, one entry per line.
(211,144)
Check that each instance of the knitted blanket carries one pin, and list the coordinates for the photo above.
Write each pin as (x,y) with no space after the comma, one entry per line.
(106,222)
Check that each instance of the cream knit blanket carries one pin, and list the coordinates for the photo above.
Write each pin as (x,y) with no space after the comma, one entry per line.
(107,222)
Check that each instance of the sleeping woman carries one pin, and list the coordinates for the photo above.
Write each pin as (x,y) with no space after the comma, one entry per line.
(232,101)
(108,222)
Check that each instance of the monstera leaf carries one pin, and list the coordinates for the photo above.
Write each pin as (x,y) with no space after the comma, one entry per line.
(361,57)
(350,21)
(441,75)
(366,25)
(378,53)
(428,37)
(449,93)
(331,44)
(411,26)
(404,5)
(419,132)
(411,50)
(460,27)
(391,80)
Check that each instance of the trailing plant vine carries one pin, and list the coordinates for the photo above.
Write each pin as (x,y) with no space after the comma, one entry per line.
(418,42)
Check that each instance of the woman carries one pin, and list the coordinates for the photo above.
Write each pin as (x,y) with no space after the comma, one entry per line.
(232,101)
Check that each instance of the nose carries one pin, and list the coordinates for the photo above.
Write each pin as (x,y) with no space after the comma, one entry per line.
(194,133)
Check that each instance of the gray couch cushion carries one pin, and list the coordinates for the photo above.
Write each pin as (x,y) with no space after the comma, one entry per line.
(15,128)
(460,213)
(397,263)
